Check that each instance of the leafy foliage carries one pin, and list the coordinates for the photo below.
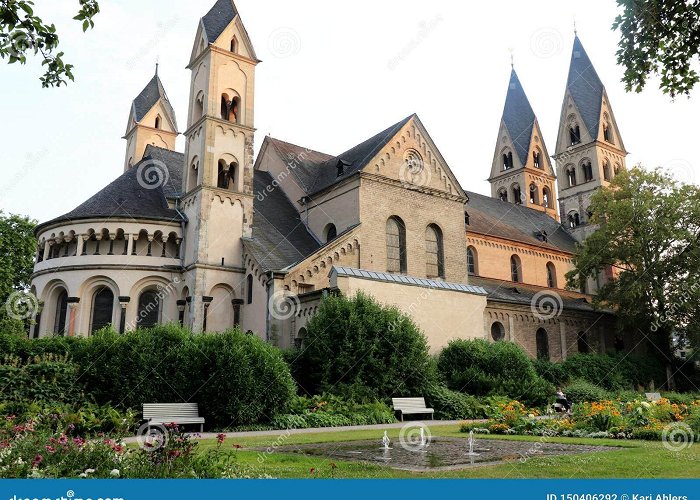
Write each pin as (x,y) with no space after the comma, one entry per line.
(359,344)
(660,37)
(22,33)
(453,405)
(580,391)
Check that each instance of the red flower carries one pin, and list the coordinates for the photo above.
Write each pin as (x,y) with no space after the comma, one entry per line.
(10,418)
(237,446)
(312,471)
(37,460)
(220,438)
(50,449)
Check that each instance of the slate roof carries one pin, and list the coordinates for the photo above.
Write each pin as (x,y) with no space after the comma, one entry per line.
(128,196)
(407,280)
(280,238)
(354,159)
(493,217)
(218,17)
(149,97)
(585,87)
(520,293)
(518,117)
(304,163)
(174,162)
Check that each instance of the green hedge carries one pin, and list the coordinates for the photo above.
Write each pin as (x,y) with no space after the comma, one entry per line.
(43,379)
(453,405)
(580,391)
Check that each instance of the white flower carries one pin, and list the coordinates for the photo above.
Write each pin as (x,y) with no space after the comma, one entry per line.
(114,473)
(19,461)
(82,474)
(89,471)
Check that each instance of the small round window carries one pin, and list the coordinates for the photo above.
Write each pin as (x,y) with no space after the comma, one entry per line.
(498,332)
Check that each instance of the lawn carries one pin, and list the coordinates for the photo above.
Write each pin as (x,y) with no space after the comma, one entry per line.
(633,459)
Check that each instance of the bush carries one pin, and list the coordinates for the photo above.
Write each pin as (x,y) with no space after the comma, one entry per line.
(554,373)
(580,391)
(43,379)
(614,373)
(359,343)
(482,368)
(453,405)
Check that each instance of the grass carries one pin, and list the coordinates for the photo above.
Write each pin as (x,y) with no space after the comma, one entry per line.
(633,459)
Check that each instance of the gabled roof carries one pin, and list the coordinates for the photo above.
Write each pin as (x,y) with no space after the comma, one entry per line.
(279,238)
(148,98)
(218,17)
(130,195)
(518,117)
(306,162)
(355,158)
(501,219)
(585,87)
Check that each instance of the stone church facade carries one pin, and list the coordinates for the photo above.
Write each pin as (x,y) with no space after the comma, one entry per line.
(215,237)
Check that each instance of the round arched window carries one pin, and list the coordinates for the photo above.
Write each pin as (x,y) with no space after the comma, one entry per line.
(498,331)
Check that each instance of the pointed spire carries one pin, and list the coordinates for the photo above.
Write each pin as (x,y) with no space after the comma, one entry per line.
(518,117)
(585,87)
(218,17)
(156,66)
(149,97)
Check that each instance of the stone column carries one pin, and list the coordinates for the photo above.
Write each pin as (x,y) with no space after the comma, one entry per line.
(79,239)
(237,303)
(47,249)
(112,236)
(123,302)
(72,312)
(511,328)
(98,239)
(150,242)
(207,302)
(130,244)
(562,335)
(181,304)
(85,238)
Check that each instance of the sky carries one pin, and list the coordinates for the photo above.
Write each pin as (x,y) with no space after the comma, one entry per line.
(333,74)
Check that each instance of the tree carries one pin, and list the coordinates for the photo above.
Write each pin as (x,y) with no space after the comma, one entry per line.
(648,236)
(17,249)
(660,37)
(23,33)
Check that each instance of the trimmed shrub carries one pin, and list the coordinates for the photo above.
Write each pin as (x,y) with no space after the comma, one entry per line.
(453,405)
(580,391)
(554,373)
(614,373)
(42,379)
(357,342)
(482,368)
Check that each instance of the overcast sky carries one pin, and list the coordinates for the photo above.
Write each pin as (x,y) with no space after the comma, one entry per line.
(333,74)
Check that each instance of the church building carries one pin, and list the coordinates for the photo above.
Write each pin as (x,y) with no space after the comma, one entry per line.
(215,237)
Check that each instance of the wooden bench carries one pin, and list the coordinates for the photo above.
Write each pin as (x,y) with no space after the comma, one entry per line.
(173,413)
(652,396)
(411,406)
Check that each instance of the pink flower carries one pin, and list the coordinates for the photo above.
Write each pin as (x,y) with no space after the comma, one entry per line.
(10,418)
(37,460)
(237,446)
(220,438)
(50,449)
(63,439)
(78,441)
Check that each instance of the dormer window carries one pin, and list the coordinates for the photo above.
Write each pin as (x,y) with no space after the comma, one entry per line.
(541,235)
(340,168)
(574,135)
(503,194)
(466,218)
(507,160)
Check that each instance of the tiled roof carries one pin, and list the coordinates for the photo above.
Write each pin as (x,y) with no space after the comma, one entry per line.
(494,217)
(149,97)
(522,294)
(585,87)
(174,162)
(406,280)
(280,238)
(130,196)
(218,17)
(518,116)
(305,162)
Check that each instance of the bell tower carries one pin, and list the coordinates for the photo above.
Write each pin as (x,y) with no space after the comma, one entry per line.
(218,172)
(521,171)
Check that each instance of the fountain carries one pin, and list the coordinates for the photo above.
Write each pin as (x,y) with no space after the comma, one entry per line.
(385,441)
(471,453)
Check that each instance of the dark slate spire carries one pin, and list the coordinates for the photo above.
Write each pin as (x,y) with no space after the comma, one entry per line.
(518,116)
(149,97)
(585,87)
(218,17)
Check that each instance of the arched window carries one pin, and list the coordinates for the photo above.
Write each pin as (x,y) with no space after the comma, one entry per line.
(299,340)
(516,273)
(229,108)
(571,176)
(158,121)
(606,171)
(498,331)
(551,275)
(582,343)
(503,194)
(223,176)
(542,341)
(537,159)
(434,255)
(395,246)
(574,135)
(198,109)
(573,219)
(249,289)
(192,178)
(534,194)
(234,45)
(330,232)
(149,309)
(607,133)
(587,171)
(617,168)
(507,160)
(472,261)
(517,195)
(102,308)
(59,325)
(545,197)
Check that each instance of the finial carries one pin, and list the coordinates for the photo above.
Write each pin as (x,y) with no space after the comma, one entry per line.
(156,66)
(512,58)
(575,29)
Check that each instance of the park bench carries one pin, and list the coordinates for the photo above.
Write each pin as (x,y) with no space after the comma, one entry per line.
(652,396)
(173,413)
(411,406)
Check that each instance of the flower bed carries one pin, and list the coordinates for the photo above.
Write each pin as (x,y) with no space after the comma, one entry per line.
(599,419)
